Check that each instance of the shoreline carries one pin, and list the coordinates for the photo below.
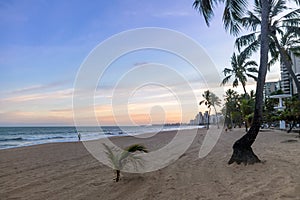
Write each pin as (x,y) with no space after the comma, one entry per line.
(100,137)
(32,142)
(114,138)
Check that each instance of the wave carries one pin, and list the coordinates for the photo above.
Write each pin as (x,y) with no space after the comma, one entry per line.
(31,139)
(57,137)
(11,139)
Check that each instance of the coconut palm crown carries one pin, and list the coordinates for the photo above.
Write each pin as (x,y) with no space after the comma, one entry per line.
(241,69)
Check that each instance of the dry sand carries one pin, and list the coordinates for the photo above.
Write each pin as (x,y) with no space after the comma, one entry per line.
(68,171)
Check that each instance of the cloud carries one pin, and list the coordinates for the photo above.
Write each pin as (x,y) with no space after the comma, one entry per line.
(140,63)
(60,94)
(34,118)
(35,88)
(172,14)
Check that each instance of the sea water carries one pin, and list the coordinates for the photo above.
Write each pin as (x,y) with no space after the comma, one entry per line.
(11,137)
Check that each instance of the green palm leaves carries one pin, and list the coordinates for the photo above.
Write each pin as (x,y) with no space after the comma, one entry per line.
(241,69)
(233,11)
(210,100)
(283,34)
(120,159)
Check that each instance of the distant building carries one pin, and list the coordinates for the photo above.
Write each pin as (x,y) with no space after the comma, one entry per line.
(287,84)
(216,118)
(198,120)
(205,117)
(192,122)
(202,119)
(271,87)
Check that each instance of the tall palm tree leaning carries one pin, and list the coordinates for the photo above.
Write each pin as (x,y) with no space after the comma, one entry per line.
(210,100)
(241,69)
(282,25)
(233,12)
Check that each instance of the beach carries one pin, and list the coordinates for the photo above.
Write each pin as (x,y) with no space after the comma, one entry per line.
(68,171)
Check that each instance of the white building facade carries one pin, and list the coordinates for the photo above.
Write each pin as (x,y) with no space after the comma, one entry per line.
(287,84)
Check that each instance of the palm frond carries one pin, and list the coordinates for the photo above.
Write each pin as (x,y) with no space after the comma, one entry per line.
(272,47)
(272,62)
(136,147)
(225,80)
(235,83)
(277,7)
(227,71)
(201,102)
(113,157)
(291,15)
(252,69)
(135,161)
(205,7)
(233,12)
(251,21)
(245,40)
(290,23)
(296,1)
(120,159)
(252,76)
(257,7)
(253,47)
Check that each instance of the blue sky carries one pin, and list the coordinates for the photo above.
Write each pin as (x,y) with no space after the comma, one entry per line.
(43,43)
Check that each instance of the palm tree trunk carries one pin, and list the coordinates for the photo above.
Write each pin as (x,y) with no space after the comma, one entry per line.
(247,97)
(291,126)
(244,88)
(118,175)
(287,64)
(231,121)
(208,119)
(242,150)
(216,117)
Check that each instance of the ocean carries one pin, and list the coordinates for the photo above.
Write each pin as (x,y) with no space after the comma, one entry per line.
(12,137)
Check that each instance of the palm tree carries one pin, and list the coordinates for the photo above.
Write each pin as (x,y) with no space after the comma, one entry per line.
(241,69)
(247,107)
(231,105)
(289,44)
(120,159)
(265,20)
(234,9)
(210,100)
(285,25)
(292,113)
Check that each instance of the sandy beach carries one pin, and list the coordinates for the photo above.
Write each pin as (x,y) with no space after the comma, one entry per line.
(68,171)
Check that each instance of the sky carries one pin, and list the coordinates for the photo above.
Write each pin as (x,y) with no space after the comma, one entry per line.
(44,44)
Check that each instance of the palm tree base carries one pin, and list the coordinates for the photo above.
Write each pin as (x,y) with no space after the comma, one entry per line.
(117,176)
(243,153)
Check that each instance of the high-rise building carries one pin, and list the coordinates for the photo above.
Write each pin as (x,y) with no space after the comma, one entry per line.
(199,119)
(287,84)
(271,87)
